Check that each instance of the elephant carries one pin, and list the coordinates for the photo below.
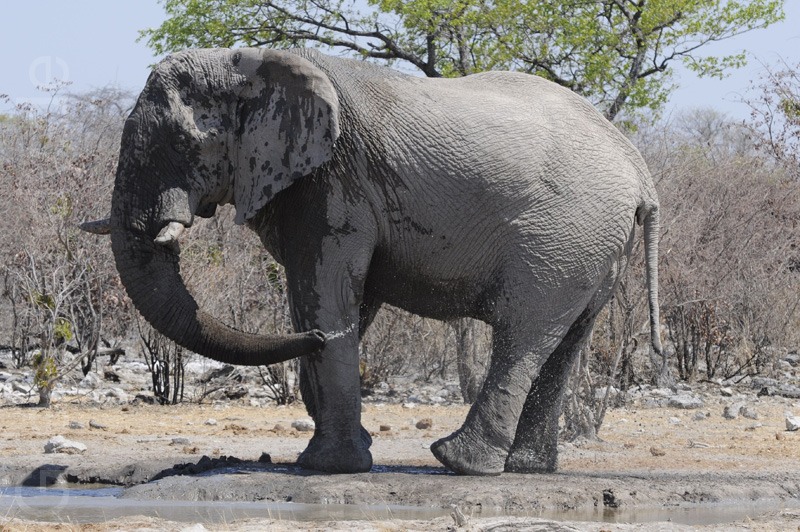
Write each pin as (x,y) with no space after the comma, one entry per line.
(499,196)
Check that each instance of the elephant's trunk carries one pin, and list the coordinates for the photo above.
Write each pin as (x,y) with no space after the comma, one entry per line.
(150,272)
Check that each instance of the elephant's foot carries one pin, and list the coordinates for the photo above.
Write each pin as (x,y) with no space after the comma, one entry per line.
(467,456)
(333,455)
(526,461)
(535,448)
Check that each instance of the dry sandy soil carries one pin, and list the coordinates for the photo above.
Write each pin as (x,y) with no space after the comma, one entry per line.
(660,468)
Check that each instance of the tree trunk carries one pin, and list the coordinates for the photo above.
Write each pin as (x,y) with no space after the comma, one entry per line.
(45,395)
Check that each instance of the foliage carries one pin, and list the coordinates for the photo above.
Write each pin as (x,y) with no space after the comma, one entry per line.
(617,53)
(234,278)
(45,370)
(53,298)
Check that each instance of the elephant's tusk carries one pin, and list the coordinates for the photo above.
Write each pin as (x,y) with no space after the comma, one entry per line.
(170,233)
(98,227)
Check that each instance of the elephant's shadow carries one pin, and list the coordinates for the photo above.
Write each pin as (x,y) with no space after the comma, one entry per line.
(230,465)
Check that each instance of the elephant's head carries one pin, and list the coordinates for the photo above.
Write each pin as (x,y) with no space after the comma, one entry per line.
(213,127)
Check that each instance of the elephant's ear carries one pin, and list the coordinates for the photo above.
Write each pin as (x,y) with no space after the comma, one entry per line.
(288,114)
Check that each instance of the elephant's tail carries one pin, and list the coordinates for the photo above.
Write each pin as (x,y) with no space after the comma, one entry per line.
(649,218)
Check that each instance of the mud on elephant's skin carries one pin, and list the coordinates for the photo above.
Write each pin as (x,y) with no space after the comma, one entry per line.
(498,196)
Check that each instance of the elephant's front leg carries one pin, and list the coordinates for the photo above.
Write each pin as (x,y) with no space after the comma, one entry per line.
(326,295)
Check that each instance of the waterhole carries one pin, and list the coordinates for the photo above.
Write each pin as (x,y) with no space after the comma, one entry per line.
(92,504)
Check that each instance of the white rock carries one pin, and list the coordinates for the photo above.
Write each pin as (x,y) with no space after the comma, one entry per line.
(303,425)
(600,393)
(675,420)
(732,411)
(726,392)
(91,381)
(661,392)
(210,421)
(59,444)
(792,423)
(197,527)
(20,387)
(118,394)
(749,412)
(409,405)
(686,402)
(259,393)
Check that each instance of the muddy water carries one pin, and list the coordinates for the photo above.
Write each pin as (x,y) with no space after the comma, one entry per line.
(100,504)
(97,504)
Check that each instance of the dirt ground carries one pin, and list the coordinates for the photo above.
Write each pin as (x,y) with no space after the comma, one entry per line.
(659,468)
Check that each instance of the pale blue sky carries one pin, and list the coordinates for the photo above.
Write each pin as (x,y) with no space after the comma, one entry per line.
(92,43)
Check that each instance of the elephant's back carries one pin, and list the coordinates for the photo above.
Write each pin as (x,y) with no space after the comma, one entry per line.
(507,161)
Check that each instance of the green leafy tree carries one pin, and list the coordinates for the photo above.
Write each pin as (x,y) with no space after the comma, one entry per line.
(617,53)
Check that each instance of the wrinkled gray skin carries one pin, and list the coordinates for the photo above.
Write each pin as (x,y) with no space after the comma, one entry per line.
(498,196)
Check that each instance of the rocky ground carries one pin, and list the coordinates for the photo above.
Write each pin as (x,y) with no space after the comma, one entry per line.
(720,455)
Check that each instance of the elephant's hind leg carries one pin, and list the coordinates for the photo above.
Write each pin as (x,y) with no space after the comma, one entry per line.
(535,447)
(481,445)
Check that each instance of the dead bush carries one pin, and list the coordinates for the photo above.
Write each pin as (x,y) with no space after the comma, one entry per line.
(729,291)
(59,285)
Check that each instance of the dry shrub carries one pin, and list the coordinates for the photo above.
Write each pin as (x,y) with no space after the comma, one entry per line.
(400,343)
(729,291)
(232,277)
(775,115)
(61,289)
